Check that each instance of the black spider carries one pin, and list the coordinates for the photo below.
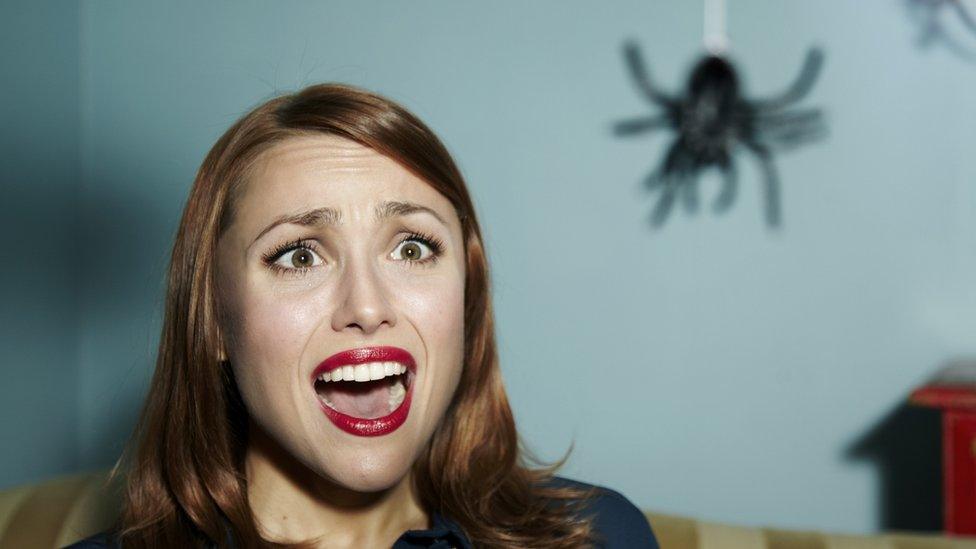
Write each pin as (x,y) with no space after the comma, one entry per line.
(711,120)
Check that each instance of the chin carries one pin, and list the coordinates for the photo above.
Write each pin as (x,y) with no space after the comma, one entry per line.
(369,472)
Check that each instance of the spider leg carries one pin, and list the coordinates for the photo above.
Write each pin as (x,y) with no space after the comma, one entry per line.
(668,168)
(654,180)
(789,129)
(770,182)
(688,182)
(666,178)
(640,125)
(930,30)
(730,187)
(642,78)
(689,193)
(801,86)
(798,116)
(955,46)
(664,203)
(964,15)
(789,138)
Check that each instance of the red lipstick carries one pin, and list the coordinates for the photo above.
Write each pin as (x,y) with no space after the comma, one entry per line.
(361,426)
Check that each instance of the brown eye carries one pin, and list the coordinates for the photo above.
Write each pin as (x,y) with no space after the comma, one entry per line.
(302,258)
(412,250)
(298,259)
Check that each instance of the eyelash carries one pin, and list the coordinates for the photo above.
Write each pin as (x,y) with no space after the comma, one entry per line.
(435,244)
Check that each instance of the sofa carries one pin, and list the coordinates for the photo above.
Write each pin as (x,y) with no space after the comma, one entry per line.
(60,511)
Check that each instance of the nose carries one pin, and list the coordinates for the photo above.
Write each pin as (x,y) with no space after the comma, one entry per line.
(363,300)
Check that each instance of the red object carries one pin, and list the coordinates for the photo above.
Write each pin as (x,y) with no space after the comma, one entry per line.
(958,405)
(370,427)
(364,355)
(361,426)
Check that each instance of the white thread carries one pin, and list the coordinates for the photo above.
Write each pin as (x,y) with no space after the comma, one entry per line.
(714,36)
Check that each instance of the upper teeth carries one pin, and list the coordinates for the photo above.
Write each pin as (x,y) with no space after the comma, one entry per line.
(364,372)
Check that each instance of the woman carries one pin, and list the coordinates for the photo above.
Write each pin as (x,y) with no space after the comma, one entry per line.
(327,373)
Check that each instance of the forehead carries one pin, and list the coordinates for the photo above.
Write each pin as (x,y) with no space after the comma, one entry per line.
(311,171)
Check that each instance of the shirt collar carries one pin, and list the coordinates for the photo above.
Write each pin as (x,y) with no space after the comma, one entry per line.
(444,533)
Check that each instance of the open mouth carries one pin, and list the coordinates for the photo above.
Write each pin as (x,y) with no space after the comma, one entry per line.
(366,392)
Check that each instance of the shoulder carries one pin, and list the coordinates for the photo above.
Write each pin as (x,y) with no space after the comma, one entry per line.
(617,522)
(98,541)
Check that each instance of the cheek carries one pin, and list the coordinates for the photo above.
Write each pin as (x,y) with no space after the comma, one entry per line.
(437,308)
(272,333)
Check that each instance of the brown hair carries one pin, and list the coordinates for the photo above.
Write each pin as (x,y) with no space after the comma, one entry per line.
(185,482)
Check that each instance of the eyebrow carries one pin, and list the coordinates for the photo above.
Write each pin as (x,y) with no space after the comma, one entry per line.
(331,216)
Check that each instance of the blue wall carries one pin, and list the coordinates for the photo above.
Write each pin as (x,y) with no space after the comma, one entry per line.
(39,160)
(711,368)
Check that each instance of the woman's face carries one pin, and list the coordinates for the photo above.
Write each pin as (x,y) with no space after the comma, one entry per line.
(340,263)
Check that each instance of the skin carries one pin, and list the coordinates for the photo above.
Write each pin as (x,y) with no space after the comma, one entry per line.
(362,287)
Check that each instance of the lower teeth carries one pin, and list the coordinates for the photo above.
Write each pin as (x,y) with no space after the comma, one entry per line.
(397,392)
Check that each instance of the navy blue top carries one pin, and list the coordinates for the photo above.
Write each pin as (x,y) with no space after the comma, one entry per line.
(617,524)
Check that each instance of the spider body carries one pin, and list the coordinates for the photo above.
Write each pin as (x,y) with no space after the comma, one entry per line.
(710,121)
(705,119)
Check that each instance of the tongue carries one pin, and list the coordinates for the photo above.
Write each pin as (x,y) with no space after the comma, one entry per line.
(362,399)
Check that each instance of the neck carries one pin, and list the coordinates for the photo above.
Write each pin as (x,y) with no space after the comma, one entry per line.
(292,503)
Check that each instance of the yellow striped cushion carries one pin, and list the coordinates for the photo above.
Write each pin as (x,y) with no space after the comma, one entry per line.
(43,515)
(684,533)
(62,510)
